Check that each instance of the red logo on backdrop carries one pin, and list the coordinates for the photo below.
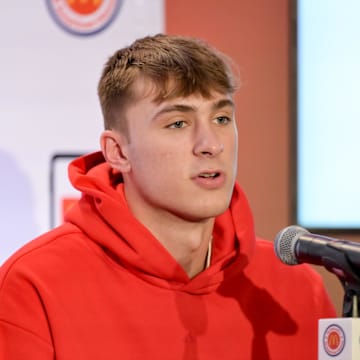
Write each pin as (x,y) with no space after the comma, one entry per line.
(334,340)
(66,205)
(83,17)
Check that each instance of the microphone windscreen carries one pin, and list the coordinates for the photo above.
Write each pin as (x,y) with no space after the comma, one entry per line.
(284,243)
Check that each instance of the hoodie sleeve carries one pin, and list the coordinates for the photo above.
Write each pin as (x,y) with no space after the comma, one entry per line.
(18,343)
(24,330)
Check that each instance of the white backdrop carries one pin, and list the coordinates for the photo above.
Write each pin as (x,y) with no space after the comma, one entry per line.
(48,102)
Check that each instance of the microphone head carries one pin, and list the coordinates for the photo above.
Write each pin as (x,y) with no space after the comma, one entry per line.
(285,241)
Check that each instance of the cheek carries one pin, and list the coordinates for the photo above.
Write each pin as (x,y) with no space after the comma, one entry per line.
(158,175)
(169,165)
(157,162)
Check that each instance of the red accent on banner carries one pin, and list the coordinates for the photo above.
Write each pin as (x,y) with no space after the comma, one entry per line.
(66,204)
(84,7)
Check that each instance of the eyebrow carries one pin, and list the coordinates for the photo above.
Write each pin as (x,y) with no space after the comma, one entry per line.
(223,103)
(188,108)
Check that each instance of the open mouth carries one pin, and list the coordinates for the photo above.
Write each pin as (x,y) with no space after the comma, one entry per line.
(210,179)
(209,175)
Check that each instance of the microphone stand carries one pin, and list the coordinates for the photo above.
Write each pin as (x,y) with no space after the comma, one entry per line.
(351,301)
(350,280)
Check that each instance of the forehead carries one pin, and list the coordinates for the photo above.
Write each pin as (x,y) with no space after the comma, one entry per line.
(145,88)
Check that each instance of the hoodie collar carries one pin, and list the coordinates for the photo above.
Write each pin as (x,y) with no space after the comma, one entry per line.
(103,215)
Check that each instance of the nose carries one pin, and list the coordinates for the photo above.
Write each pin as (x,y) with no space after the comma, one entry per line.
(207,142)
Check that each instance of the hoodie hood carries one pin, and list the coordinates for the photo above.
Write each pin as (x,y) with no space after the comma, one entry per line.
(103,216)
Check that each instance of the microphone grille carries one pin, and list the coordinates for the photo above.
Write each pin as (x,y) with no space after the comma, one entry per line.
(285,241)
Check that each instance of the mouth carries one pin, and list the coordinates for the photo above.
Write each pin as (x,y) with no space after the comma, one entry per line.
(209,175)
(210,179)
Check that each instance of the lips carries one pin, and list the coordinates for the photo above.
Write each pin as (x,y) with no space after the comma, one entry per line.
(210,179)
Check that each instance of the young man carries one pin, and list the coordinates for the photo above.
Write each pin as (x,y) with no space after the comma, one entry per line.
(159,260)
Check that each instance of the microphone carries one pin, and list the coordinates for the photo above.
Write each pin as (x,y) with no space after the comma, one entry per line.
(294,245)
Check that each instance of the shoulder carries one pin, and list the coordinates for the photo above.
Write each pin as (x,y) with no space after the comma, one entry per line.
(42,254)
(266,267)
(299,285)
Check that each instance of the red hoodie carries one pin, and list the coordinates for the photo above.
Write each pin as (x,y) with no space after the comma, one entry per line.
(101,287)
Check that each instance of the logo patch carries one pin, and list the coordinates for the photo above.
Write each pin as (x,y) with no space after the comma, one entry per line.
(334,340)
(83,17)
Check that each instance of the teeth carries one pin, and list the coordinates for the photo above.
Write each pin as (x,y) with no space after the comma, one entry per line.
(208,175)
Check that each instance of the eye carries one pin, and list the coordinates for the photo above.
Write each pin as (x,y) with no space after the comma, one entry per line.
(177,124)
(222,120)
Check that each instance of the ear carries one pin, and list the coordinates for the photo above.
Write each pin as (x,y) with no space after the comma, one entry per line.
(114,148)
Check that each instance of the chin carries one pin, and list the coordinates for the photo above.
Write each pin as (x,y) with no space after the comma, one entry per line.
(212,211)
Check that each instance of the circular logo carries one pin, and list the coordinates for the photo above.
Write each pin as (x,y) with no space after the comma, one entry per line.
(334,340)
(83,17)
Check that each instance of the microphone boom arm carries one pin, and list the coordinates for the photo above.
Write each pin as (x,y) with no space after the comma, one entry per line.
(350,278)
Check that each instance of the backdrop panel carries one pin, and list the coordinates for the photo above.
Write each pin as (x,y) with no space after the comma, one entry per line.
(52,54)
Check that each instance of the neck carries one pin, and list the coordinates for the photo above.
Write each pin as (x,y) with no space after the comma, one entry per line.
(188,242)
(189,245)
(196,260)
